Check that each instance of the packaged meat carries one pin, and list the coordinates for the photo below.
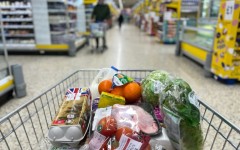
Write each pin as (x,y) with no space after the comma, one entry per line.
(135,118)
(70,125)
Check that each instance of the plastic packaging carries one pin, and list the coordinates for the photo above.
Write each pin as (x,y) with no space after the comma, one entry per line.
(70,125)
(105,73)
(135,118)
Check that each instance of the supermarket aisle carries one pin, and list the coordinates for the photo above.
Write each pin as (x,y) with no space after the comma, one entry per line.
(128,49)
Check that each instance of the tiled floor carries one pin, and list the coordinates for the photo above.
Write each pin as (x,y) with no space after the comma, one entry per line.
(128,49)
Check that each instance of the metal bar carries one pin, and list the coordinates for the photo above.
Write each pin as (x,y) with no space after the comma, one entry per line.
(220,117)
(226,139)
(4,139)
(57,96)
(208,128)
(25,130)
(44,112)
(53,103)
(216,135)
(49,107)
(15,133)
(32,124)
(38,118)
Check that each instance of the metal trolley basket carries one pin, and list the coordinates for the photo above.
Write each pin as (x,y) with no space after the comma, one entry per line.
(97,30)
(27,127)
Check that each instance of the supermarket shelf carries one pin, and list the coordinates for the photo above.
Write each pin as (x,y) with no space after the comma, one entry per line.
(19,35)
(72,30)
(6,84)
(15,7)
(18,20)
(19,46)
(18,26)
(60,1)
(56,11)
(63,21)
(57,32)
(16,12)
(72,11)
(189,11)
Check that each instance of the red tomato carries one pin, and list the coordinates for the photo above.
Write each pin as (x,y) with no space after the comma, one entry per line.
(124,130)
(107,126)
(105,145)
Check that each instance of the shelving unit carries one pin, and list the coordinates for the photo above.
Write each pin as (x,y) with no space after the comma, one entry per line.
(17,23)
(46,25)
(226,54)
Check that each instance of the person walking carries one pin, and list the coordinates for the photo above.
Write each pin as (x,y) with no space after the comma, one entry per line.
(101,14)
(120,20)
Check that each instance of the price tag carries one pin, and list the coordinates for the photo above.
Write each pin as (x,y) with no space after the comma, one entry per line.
(229,10)
(127,143)
(97,141)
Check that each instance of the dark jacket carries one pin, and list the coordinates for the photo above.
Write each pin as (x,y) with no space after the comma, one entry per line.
(101,12)
(120,18)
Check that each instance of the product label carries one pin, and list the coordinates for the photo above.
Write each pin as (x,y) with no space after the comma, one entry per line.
(173,127)
(157,87)
(97,141)
(193,99)
(99,114)
(120,79)
(127,143)
(229,10)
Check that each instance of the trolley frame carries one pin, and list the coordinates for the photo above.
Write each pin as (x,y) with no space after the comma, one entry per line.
(27,126)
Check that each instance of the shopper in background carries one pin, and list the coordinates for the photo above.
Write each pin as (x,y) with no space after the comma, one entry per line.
(120,20)
(101,14)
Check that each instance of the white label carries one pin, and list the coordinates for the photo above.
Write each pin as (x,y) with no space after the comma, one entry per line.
(229,10)
(156,87)
(193,99)
(127,143)
(97,141)
(99,114)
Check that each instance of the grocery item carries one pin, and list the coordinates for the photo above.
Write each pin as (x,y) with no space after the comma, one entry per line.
(107,99)
(98,142)
(120,80)
(182,115)
(103,74)
(107,126)
(73,119)
(123,130)
(135,118)
(105,86)
(118,90)
(99,114)
(132,92)
(152,86)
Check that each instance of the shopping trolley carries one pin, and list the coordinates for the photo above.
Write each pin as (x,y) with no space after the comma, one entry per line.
(27,127)
(97,30)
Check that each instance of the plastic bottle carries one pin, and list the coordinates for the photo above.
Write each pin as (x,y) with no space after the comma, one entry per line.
(104,74)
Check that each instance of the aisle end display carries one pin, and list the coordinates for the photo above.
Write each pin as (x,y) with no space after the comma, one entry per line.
(226,52)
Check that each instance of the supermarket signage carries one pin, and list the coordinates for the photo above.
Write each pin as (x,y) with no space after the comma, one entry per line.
(229,10)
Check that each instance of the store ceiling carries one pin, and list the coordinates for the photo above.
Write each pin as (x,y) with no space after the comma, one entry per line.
(127,3)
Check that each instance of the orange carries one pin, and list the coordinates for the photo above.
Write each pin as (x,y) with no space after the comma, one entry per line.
(105,86)
(132,92)
(118,90)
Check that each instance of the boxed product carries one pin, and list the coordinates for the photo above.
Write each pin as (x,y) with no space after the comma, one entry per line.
(70,125)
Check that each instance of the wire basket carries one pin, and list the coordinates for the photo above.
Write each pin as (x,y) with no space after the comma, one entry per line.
(27,127)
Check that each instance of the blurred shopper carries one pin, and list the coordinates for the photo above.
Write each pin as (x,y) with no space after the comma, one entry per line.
(120,20)
(101,14)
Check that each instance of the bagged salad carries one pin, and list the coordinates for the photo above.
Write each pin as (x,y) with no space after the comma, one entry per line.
(179,107)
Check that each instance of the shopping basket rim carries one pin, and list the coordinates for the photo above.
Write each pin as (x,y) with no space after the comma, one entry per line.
(237,129)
